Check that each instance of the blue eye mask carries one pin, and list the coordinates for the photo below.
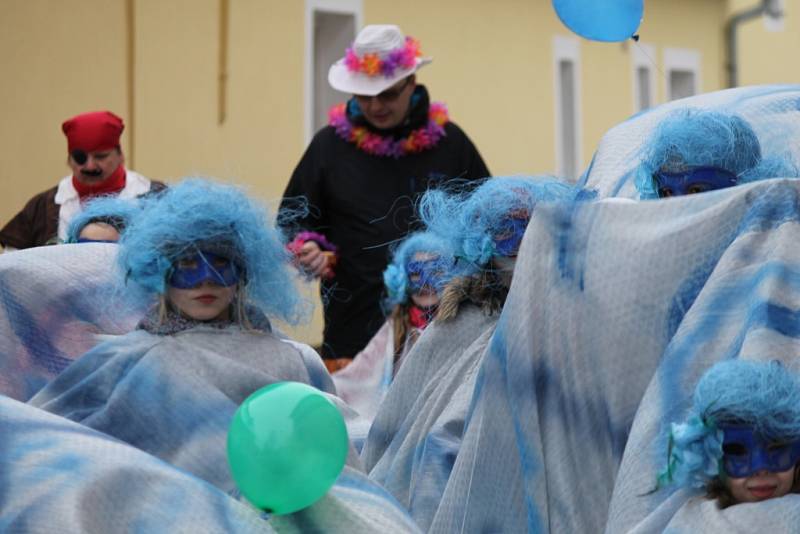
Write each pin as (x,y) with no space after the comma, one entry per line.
(509,236)
(743,453)
(191,271)
(425,273)
(694,180)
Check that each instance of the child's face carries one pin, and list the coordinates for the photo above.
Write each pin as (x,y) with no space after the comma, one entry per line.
(761,485)
(757,468)
(202,286)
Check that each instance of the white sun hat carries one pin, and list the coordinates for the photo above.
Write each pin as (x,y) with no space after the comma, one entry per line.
(379,57)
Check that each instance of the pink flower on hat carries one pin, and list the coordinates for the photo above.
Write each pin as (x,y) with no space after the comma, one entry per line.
(373,64)
(380,56)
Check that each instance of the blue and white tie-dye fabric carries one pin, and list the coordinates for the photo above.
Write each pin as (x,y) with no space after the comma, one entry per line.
(174,396)
(435,349)
(59,476)
(632,297)
(149,454)
(53,304)
(416,464)
(773,111)
(747,309)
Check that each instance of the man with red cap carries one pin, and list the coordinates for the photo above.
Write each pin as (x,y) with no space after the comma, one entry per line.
(97,164)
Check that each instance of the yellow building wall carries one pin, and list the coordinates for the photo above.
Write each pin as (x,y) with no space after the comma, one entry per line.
(59,59)
(177,111)
(768,56)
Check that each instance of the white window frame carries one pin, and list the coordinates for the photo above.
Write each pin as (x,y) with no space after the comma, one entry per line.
(567,48)
(643,56)
(346,7)
(685,59)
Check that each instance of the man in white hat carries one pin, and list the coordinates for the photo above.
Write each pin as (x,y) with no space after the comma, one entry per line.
(361,176)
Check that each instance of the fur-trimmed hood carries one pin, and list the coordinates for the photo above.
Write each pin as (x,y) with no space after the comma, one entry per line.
(485,290)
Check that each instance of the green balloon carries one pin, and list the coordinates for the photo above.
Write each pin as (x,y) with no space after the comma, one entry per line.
(287,445)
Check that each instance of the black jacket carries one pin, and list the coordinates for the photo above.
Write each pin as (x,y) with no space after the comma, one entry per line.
(362,204)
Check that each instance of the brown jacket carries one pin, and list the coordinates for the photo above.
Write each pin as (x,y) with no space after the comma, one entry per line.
(37,223)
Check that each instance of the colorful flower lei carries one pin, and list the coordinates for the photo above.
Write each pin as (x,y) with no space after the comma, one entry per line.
(418,140)
(372,64)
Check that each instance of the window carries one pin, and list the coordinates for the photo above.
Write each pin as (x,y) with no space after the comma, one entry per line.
(681,84)
(566,56)
(331,27)
(682,68)
(644,81)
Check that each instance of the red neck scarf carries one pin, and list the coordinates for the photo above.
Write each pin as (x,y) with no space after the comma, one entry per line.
(113,184)
(420,317)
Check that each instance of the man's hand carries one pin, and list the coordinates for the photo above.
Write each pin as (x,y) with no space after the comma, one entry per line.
(315,261)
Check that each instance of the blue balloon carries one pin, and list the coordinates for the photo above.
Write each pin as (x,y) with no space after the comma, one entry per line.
(601,20)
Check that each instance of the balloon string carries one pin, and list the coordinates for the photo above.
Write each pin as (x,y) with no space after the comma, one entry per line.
(652,61)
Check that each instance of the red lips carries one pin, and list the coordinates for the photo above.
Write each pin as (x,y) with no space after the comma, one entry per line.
(206,299)
(762,492)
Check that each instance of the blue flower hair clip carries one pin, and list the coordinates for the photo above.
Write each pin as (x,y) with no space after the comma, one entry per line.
(694,453)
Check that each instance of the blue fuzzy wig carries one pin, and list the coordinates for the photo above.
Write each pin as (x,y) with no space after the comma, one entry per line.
(691,137)
(198,214)
(764,396)
(115,211)
(395,277)
(471,220)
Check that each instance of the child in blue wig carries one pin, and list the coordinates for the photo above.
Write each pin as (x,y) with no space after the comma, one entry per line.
(207,251)
(418,431)
(695,150)
(741,440)
(421,267)
(485,228)
(102,220)
(215,273)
